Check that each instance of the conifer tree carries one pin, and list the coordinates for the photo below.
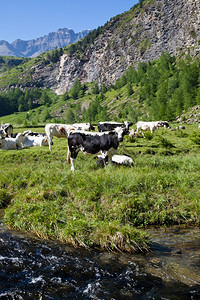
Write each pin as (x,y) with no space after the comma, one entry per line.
(75,89)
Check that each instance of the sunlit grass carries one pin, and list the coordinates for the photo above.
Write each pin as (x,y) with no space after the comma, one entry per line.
(110,207)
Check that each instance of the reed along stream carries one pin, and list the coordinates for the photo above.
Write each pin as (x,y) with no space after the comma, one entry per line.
(31,268)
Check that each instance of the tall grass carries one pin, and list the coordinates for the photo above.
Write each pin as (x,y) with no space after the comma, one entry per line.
(95,207)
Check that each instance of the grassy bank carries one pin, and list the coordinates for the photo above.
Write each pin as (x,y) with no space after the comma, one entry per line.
(105,208)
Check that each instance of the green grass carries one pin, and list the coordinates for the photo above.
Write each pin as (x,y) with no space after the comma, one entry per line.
(107,208)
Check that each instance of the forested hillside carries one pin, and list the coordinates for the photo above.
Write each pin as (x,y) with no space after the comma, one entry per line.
(161,89)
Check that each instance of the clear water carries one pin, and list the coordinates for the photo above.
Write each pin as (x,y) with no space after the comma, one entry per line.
(31,268)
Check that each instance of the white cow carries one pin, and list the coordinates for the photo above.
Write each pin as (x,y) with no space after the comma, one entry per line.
(58,130)
(152,126)
(116,159)
(33,141)
(9,143)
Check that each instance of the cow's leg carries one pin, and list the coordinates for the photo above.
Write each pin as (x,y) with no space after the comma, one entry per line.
(72,164)
(110,153)
(49,137)
(71,156)
(104,156)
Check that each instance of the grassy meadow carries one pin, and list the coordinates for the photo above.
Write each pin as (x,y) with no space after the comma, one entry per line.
(107,208)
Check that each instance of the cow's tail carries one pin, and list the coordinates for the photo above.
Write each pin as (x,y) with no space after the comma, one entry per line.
(68,156)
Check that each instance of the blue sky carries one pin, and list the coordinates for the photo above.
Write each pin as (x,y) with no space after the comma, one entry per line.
(28,20)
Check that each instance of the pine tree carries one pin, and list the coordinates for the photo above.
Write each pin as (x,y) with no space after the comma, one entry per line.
(129,89)
(69,117)
(75,89)
(95,89)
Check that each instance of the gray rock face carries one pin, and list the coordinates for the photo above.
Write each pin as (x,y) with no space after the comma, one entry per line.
(7,49)
(32,48)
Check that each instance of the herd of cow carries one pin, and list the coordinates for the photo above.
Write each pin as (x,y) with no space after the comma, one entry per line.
(81,137)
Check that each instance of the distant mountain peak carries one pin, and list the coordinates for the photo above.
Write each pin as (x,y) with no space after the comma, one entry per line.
(32,48)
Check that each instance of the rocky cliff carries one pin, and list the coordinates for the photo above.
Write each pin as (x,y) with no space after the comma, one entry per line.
(140,34)
(33,48)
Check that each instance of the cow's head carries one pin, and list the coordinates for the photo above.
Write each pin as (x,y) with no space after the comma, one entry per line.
(127,124)
(120,133)
(91,128)
(2,133)
(164,124)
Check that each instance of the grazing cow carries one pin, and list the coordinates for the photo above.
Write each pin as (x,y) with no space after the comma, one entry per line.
(6,130)
(58,130)
(116,159)
(33,141)
(152,126)
(9,143)
(108,126)
(105,143)
(83,126)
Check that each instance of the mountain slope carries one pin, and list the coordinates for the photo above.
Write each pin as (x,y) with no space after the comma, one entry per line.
(33,48)
(141,34)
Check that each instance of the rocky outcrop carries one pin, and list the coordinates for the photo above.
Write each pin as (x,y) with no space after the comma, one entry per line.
(191,116)
(32,48)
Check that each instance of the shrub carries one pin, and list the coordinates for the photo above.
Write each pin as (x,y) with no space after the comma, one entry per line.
(165,143)
(195,137)
(148,135)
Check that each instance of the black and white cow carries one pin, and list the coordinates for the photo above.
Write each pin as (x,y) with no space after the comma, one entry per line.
(33,133)
(2,134)
(105,143)
(84,126)
(108,126)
